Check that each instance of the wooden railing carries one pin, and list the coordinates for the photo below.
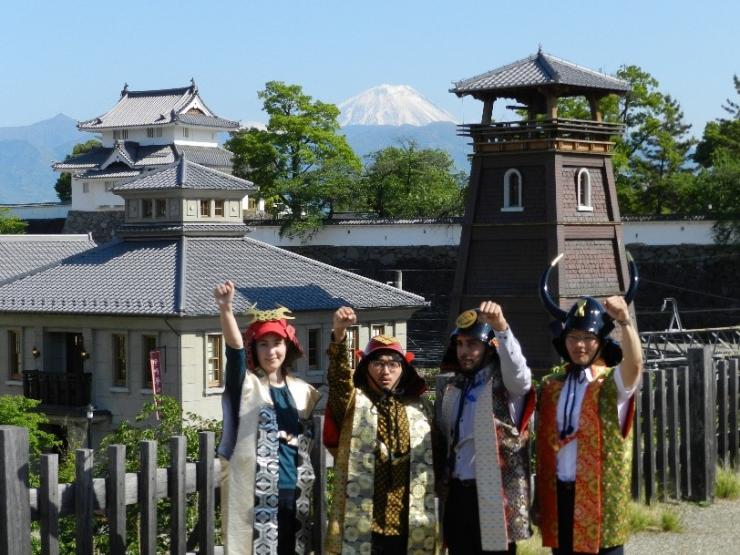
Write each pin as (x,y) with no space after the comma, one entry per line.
(57,388)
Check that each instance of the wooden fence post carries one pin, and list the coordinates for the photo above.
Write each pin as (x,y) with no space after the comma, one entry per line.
(318,460)
(147,494)
(115,499)
(206,493)
(178,500)
(703,441)
(734,428)
(49,504)
(84,501)
(15,509)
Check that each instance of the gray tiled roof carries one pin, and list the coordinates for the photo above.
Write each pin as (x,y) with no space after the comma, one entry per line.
(537,70)
(185,174)
(23,253)
(152,155)
(207,121)
(155,107)
(114,171)
(177,276)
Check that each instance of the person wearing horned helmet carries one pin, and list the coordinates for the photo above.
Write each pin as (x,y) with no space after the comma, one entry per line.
(265,448)
(585,415)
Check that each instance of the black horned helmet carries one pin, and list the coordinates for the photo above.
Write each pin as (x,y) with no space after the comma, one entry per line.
(587,314)
(467,324)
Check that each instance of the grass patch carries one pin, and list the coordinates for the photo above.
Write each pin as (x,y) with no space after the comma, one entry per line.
(656,518)
(727,485)
(532,546)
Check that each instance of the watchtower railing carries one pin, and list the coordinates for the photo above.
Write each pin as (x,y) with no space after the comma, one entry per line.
(70,389)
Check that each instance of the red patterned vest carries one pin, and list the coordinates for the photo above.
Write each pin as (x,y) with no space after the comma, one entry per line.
(603,467)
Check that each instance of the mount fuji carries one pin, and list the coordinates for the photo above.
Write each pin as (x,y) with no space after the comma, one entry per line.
(391,105)
(388,115)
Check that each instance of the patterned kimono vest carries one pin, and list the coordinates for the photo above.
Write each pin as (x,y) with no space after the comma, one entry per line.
(250,479)
(501,460)
(603,467)
(350,521)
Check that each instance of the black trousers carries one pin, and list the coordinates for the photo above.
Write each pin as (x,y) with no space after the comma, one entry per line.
(287,523)
(462,522)
(389,545)
(566,504)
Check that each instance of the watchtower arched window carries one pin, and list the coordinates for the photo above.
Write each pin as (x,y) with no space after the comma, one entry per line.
(512,191)
(583,187)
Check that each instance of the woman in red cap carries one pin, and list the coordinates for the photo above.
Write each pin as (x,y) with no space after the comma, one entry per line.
(265,448)
(378,429)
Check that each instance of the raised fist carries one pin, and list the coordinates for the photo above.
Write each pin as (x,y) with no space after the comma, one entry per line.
(344,317)
(492,314)
(224,294)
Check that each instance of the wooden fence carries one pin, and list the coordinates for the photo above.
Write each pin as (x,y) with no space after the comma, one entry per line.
(87,497)
(686,422)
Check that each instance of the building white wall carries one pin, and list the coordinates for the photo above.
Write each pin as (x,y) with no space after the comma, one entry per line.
(38,211)
(198,136)
(435,234)
(96,197)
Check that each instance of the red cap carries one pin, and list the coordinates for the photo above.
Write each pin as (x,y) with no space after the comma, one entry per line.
(259,329)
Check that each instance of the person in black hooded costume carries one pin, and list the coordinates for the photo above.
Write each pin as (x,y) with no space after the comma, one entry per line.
(378,427)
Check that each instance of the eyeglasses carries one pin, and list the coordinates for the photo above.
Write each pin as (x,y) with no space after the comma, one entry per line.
(389,364)
(589,339)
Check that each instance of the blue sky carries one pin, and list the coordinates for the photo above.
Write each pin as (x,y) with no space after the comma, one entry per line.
(73,56)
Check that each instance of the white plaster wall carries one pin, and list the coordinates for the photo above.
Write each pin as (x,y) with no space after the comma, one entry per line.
(669,233)
(96,198)
(39,211)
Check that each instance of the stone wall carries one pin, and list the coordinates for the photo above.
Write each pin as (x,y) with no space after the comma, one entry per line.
(102,225)
(703,279)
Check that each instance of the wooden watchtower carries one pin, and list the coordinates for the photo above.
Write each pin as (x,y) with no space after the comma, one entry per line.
(539,187)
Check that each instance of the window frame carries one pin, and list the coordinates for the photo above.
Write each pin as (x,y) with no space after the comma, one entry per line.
(15,354)
(146,374)
(160,202)
(205,202)
(147,208)
(353,344)
(587,206)
(214,379)
(314,348)
(508,206)
(119,355)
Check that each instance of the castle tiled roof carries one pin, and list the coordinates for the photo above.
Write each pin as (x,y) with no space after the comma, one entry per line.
(175,277)
(155,107)
(20,254)
(540,69)
(144,156)
(185,174)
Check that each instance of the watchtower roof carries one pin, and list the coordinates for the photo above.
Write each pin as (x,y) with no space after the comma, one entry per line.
(536,71)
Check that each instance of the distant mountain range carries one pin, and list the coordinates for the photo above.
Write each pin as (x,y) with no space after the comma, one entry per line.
(26,154)
(371,120)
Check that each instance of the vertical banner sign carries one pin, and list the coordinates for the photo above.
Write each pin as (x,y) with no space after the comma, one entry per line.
(155,359)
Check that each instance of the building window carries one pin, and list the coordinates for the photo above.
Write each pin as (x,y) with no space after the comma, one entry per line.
(148,344)
(205,208)
(185,132)
(120,134)
(583,183)
(85,187)
(119,360)
(353,344)
(218,208)
(161,208)
(152,132)
(251,203)
(109,186)
(147,208)
(314,348)
(14,355)
(512,191)
(213,361)
(377,329)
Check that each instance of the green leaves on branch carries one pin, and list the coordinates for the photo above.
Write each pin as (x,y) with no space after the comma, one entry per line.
(63,186)
(9,224)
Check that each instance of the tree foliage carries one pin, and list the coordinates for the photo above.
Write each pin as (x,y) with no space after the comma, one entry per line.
(63,186)
(9,224)
(405,181)
(16,410)
(304,169)
(651,158)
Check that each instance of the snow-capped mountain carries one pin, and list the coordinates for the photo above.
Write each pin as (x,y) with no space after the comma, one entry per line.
(391,105)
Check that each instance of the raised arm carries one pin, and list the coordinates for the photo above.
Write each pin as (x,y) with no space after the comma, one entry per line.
(224,295)
(514,369)
(339,375)
(631,365)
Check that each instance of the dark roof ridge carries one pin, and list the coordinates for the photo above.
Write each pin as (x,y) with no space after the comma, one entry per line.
(547,66)
(161,92)
(492,71)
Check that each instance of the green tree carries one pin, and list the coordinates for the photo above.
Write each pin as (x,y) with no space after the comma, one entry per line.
(650,159)
(63,186)
(408,182)
(722,134)
(16,410)
(9,224)
(304,169)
